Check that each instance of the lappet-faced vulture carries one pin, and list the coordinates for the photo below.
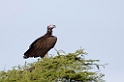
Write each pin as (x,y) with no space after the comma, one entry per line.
(41,45)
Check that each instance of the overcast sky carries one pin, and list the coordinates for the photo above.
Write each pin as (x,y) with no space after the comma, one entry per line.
(96,25)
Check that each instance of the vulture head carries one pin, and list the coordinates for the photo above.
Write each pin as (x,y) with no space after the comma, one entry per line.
(50,27)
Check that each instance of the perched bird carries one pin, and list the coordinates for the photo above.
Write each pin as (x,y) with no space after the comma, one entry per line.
(41,45)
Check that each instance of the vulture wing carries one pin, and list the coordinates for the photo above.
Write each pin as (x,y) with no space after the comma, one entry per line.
(40,47)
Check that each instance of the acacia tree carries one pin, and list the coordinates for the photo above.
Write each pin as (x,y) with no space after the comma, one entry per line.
(62,68)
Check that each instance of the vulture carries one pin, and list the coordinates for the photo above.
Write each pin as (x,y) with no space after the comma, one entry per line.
(42,45)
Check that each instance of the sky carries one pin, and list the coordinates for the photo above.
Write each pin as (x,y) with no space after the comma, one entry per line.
(95,25)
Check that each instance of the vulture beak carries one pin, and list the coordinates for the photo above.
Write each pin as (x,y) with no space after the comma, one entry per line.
(54,26)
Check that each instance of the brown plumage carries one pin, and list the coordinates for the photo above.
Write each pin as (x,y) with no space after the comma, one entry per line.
(41,45)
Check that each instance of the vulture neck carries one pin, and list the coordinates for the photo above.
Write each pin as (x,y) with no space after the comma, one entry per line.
(49,33)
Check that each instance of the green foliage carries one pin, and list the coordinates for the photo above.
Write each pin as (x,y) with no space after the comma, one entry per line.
(63,67)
